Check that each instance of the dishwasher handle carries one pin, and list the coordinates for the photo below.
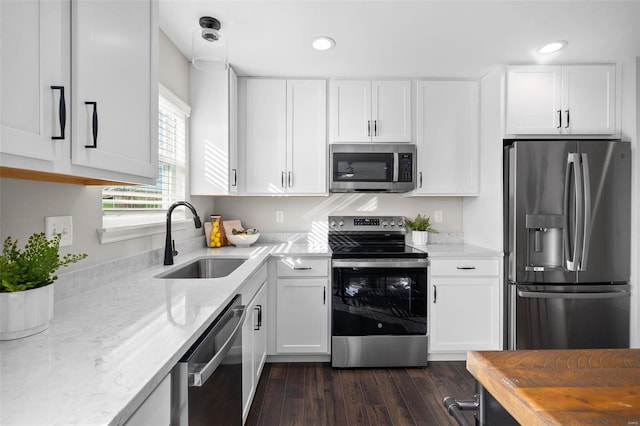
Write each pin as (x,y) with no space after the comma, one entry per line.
(199,373)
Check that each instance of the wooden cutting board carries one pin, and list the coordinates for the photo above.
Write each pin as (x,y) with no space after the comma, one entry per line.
(563,387)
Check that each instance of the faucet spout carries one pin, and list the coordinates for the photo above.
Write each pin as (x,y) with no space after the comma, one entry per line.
(169,245)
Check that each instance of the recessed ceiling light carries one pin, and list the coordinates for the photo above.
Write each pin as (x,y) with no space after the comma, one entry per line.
(553,47)
(323,43)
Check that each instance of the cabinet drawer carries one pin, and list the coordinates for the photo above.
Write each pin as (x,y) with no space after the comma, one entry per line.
(465,266)
(302,267)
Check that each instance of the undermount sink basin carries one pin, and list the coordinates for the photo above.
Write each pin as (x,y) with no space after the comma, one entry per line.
(205,268)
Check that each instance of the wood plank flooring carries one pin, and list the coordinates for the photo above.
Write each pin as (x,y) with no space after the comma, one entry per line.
(315,394)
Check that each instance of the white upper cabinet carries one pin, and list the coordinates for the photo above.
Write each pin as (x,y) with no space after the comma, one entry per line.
(212,166)
(561,100)
(34,74)
(447,139)
(370,111)
(285,149)
(115,86)
(306,136)
(109,76)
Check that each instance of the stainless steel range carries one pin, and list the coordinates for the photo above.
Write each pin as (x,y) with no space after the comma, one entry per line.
(379,294)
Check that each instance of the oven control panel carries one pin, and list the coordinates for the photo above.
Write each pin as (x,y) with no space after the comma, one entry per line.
(366,223)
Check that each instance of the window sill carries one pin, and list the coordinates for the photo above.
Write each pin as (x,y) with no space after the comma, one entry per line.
(114,234)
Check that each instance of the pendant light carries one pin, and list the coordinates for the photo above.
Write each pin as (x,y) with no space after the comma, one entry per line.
(208,46)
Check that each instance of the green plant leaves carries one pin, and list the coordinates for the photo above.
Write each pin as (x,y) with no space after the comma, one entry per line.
(35,265)
(420,223)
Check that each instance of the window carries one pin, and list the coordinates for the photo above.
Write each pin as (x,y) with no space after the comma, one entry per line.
(136,206)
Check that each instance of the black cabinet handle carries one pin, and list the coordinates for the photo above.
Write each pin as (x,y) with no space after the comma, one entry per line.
(567,113)
(282,179)
(259,309)
(235,177)
(324,296)
(369,128)
(435,293)
(290,185)
(62,112)
(420,180)
(559,119)
(375,127)
(94,124)
(465,267)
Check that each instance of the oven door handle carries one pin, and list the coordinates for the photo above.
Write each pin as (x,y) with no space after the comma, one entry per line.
(380,263)
(199,373)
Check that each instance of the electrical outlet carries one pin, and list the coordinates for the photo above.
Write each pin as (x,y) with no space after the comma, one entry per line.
(59,225)
(438,216)
(279,216)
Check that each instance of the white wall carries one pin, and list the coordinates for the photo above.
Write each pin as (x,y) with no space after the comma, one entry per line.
(301,214)
(24,204)
(482,217)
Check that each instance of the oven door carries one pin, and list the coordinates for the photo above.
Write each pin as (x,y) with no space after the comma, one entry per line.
(379,297)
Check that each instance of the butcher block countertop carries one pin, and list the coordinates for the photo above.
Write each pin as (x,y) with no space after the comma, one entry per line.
(563,387)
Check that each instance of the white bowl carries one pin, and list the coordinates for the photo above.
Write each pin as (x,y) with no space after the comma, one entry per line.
(242,240)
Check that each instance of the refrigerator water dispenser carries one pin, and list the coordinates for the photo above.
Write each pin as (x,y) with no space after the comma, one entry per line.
(544,242)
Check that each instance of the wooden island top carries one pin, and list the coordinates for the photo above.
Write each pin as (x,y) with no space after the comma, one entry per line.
(563,387)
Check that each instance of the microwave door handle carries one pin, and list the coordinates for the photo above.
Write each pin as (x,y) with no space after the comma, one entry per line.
(395,167)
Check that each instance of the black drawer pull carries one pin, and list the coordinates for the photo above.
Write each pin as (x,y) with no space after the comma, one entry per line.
(465,267)
(62,112)
(94,124)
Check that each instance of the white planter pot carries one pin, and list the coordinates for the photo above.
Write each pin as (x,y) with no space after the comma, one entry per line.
(420,238)
(24,313)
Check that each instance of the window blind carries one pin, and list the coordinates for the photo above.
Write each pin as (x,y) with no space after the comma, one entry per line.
(171,182)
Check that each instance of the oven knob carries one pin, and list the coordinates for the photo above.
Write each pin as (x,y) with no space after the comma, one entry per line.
(333,223)
(341,223)
(400,223)
(393,223)
(384,223)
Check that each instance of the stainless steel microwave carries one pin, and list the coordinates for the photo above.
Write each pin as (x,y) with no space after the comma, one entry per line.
(372,167)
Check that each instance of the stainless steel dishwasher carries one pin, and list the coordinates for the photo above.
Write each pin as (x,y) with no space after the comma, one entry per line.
(207,382)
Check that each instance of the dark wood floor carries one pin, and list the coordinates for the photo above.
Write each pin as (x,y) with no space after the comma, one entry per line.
(316,394)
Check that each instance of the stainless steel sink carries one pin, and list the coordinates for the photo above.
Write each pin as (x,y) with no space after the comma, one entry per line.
(205,268)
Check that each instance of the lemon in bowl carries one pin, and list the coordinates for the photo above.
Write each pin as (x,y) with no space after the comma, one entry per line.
(242,237)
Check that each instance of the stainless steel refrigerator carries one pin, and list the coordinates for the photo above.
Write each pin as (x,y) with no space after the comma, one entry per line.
(567,243)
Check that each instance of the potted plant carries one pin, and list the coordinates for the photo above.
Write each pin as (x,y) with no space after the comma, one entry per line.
(26,290)
(420,228)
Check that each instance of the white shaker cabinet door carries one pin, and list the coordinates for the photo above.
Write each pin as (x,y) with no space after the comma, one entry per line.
(35,55)
(265,149)
(306,137)
(465,314)
(302,315)
(115,96)
(351,111)
(448,132)
(534,100)
(588,93)
(391,111)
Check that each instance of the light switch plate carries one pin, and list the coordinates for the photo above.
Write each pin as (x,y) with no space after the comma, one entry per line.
(438,216)
(59,225)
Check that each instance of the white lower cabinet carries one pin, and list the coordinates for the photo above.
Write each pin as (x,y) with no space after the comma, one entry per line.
(254,346)
(156,409)
(302,306)
(465,303)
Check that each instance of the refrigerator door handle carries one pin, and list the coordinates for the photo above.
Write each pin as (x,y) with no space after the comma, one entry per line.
(554,295)
(586,212)
(573,237)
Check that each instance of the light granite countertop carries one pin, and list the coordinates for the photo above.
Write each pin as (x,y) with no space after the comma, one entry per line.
(107,348)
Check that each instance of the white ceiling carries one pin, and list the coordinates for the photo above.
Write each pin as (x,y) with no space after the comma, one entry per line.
(419,38)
